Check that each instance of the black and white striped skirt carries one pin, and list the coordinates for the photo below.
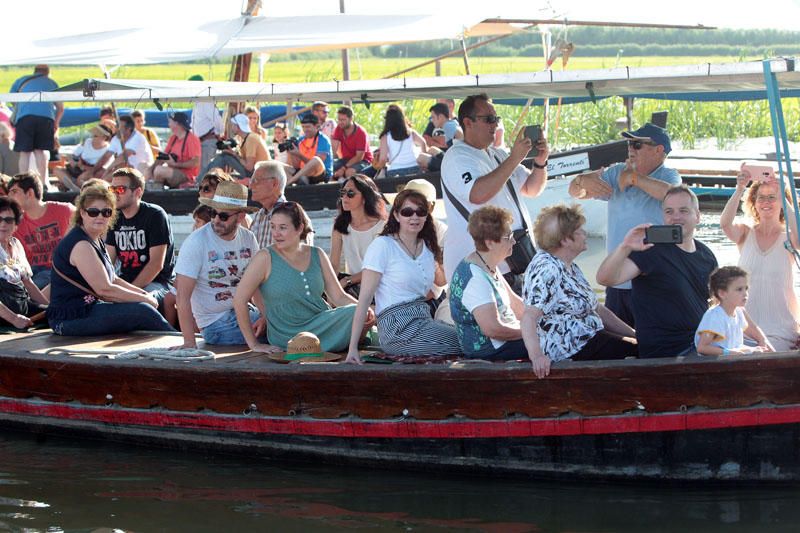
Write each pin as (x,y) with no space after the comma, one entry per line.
(408,329)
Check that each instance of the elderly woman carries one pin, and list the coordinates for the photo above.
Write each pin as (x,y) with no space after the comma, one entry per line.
(362,216)
(562,318)
(19,296)
(485,310)
(86,297)
(400,269)
(772,302)
(292,278)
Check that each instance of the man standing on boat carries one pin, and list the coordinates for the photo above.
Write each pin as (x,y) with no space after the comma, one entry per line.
(141,237)
(210,266)
(36,123)
(474,174)
(670,281)
(634,191)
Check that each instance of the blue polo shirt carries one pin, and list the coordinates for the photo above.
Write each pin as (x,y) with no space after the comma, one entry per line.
(36,84)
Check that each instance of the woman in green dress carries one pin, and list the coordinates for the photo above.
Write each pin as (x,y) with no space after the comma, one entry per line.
(292,278)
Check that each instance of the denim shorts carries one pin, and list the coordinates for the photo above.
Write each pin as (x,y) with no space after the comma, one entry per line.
(225,331)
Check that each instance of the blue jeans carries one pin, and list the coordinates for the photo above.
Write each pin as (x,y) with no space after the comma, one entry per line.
(227,160)
(158,290)
(402,172)
(106,318)
(226,330)
(41,276)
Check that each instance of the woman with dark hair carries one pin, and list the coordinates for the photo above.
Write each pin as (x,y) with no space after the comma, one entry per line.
(86,296)
(292,277)
(397,145)
(362,216)
(400,269)
(19,296)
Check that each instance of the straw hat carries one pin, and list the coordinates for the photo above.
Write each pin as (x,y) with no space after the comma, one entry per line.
(305,346)
(103,129)
(231,196)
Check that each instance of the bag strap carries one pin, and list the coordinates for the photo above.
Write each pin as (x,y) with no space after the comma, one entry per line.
(73,282)
(453,200)
(514,197)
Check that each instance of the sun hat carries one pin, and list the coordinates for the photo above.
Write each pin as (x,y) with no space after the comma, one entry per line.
(102,129)
(650,132)
(182,119)
(427,189)
(304,346)
(241,122)
(229,195)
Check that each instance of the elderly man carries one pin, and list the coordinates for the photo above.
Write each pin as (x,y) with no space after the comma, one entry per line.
(670,281)
(350,142)
(251,150)
(179,163)
(267,186)
(474,173)
(36,122)
(634,191)
(211,265)
(312,157)
(129,148)
(141,237)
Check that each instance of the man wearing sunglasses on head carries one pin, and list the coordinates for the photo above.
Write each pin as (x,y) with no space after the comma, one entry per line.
(475,174)
(141,238)
(634,191)
(210,266)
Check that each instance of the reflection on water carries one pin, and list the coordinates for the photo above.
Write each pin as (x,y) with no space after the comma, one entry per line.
(88,486)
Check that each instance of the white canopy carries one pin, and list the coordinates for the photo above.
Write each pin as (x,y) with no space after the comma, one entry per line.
(579,83)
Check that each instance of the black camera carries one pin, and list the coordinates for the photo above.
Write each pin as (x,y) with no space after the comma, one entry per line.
(288,144)
(164,156)
(229,143)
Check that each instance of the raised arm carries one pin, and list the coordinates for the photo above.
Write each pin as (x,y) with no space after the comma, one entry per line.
(735,232)
(617,268)
(486,187)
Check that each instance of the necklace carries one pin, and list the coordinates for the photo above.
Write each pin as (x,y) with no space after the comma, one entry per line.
(491,270)
(416,245)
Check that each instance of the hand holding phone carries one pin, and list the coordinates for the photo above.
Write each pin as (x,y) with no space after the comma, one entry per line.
(762,173)
(668,234)
(534,133)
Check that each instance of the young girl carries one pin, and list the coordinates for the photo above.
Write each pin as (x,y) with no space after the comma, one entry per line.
(723,326)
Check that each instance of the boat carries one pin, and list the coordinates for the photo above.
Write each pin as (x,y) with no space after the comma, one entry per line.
(721,419)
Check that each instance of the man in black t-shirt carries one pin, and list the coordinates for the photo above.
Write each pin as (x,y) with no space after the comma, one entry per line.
(669,281)
(141,238)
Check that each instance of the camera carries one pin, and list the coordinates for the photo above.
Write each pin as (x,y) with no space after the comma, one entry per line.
(288,144)
(164,156)
(229,143)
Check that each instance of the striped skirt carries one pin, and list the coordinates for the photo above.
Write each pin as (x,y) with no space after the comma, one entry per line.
(408,329)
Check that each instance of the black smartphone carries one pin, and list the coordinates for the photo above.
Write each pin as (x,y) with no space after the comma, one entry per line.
(672,234)
(534,133)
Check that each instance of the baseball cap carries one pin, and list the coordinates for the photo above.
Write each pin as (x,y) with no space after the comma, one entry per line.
(651,132)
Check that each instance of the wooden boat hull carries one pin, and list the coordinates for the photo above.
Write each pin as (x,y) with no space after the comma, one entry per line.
(711,419)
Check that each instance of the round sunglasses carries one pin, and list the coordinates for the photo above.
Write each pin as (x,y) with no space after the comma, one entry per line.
(347,192)
(222,215)
(409,211)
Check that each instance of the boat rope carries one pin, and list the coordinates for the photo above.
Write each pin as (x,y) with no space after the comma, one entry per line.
(182,354)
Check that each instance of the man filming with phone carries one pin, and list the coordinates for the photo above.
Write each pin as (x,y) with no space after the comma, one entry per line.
(475,174)
(669,279)
(634,191)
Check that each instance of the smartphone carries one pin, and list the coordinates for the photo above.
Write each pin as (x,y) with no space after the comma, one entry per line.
(761,173)
(534,133)
(672,234)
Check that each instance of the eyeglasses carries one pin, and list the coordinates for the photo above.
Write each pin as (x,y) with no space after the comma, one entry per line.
(409,211)
(94,212)
(637,145)
(8,220)
(489,119)
(222,215)
(509,237)
(766,198)
(207,188)
(350,193)
(120,189)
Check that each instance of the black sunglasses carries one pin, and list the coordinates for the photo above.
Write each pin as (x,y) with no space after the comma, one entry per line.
(489,119)
(8,220)
(637,145)
(222,216)
(408,211)
(207,188)
(93,212)
(350,193)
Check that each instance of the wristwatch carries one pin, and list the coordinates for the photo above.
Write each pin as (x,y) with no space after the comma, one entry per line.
(537,165)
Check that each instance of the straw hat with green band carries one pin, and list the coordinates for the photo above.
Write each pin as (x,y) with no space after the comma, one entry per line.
(305,346)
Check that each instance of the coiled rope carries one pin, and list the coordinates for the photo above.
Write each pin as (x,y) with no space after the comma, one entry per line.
(182,354)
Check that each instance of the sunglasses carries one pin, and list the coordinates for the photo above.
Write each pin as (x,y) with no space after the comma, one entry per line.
(489,119)
(207,188)
(8,220)
(120,189)
(347,192)
(409,211)
(94,212)
(222,216)
(637,145)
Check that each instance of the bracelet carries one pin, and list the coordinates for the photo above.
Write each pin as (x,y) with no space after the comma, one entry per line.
(726,351)
(537,165)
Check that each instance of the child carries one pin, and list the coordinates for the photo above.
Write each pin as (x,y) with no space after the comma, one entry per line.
(723,326)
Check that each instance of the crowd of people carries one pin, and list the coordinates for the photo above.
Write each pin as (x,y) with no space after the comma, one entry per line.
(493,284)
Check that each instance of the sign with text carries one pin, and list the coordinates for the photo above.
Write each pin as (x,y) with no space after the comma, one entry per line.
(568,164)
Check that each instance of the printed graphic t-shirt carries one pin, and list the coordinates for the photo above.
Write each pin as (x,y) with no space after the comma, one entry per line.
(41,236)
(134,237)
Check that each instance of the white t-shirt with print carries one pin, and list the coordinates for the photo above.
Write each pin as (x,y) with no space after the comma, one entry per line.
(462,166)
(138,143)
(14,269)
(217,266)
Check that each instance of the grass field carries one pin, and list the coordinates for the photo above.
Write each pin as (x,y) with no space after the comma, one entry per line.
(578,124)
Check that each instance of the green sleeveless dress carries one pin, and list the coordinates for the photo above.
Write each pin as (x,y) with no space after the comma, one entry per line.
(294,303)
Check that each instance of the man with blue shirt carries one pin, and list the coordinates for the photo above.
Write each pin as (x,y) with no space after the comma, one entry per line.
(36,122)
(634,191)
(312,156)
